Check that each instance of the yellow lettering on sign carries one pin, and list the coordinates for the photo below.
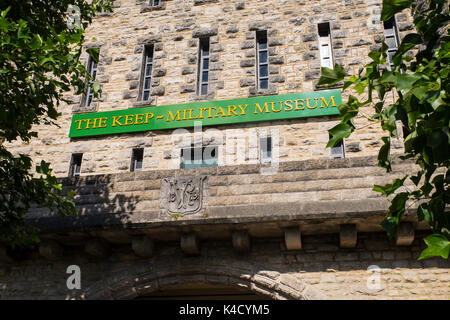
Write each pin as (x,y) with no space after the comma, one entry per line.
(116,120)
(323,101)
(209,111)
(297,104)
(230,111)
(277,110)
(220,110)
(289,105)
(190,115)
(243,109)
(266,107)
(79,123)
(128,118)
(92,122)
(102,123)
(139,119)
(171,116)
(307,103)
(148,116)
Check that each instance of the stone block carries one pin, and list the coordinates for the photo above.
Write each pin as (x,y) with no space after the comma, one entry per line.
(293,239)
(142,246)
(405,234)
(348,236)
(51,250)
(241,241)
(190,244)
(97,248)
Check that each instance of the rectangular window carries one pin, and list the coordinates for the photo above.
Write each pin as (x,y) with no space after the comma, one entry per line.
(147,72)
(203,67)
(75,165)
(265,147)
(325,47)
(338,150)
(199,157)
(92,69)
(262,57)
(155,3)
(137,158)
(391,39)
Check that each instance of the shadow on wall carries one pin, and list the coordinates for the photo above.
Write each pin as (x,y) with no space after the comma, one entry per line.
(98,202)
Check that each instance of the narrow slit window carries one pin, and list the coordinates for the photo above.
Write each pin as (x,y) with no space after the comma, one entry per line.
(92,69)
(262,57)
(75,165)
(338,150)
(137,159)
(203,67)
(391,38)
(265,149)
(147,74)
(325,47)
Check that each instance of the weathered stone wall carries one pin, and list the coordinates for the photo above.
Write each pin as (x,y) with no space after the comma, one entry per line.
(325,189)
(314,197)
(174,28)
(320,270)
(308,191)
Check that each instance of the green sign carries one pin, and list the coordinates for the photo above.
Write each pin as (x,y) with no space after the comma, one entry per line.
(210,113)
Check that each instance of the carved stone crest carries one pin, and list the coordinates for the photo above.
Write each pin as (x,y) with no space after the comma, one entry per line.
(182,195)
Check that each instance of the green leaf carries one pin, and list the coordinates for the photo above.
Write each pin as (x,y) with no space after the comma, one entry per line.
(390,225)
(391,7)
(339,132)
(409,41)
(94,53)
(384,154)
(438,245)
(331,76)
(96,87)
(424,214)
(389,189)
(405,81)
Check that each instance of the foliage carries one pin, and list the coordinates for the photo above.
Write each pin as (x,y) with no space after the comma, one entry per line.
(39,61)
(420,83)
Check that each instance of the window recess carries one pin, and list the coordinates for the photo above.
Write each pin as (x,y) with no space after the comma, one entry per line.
(265,147)
(147,73)
(199,157)
(75,165)
(338,150)
(262,59)
(325,46)
(137,158)
(203,67)
(92,69)
(391,38)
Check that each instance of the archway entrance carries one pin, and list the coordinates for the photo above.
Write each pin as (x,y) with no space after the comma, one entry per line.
(202,291)
(206,278)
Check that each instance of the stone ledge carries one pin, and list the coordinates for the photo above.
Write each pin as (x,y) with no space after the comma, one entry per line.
(309,212)
(304,165)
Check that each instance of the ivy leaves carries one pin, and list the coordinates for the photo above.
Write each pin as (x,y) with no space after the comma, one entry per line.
(420,82)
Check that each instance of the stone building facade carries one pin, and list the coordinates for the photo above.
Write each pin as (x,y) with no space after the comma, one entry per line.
(307,229)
